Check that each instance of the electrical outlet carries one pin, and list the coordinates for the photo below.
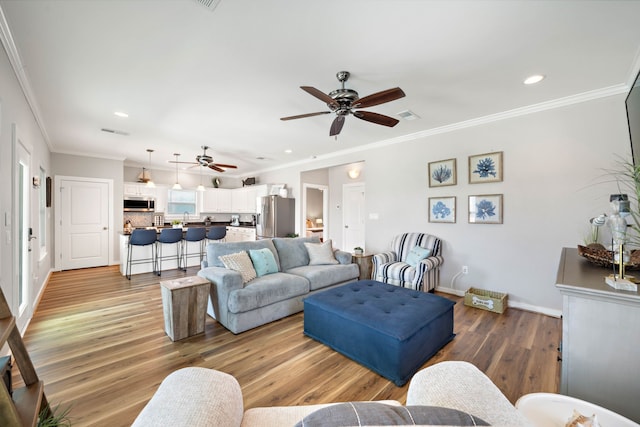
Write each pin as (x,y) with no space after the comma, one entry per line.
(465,269)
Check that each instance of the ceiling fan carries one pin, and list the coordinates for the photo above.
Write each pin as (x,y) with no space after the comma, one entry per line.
(207,161)
(344,102)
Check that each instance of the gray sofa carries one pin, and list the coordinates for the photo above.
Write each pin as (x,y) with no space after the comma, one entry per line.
(273,296)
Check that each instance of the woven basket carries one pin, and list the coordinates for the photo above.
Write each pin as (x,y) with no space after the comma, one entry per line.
(604,258)
(486,300)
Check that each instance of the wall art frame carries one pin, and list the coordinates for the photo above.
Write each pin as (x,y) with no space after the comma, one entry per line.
(442,209)
(486,209)
(485,168)
(443,173)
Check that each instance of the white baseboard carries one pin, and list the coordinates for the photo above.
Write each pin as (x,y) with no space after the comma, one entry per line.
(515,304)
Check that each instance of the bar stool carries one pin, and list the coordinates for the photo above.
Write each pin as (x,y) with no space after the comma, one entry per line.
(169,236)
(194,234)
(219,232)
(141,237)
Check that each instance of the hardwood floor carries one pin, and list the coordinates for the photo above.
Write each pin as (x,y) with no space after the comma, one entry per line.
(97,341)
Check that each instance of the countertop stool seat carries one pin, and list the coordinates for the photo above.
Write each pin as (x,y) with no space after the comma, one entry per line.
(168,236)
(193,234)
(141,237)
(218,232)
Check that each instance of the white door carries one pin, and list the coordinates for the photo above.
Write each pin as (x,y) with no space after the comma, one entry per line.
(22,231)
(353,206)
(84,223)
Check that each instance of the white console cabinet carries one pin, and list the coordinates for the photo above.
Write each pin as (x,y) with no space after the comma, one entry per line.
(600,337)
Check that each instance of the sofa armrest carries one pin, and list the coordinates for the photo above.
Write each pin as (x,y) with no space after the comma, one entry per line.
(194,397)
(462,386)
(223,282)
(343,257)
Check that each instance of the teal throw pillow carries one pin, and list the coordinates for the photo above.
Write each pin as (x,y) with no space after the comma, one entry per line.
(417,254)
(263,261)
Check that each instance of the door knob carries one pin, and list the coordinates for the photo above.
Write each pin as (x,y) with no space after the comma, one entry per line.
(346,226)
(104,228)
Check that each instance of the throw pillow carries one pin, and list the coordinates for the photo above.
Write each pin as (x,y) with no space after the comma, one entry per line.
(320,253)
(417,254)
(241,263)
(380,414)
(263,261)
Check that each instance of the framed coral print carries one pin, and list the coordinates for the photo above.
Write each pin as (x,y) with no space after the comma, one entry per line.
(442,173)
(485,168)
(442,209)
(485,209)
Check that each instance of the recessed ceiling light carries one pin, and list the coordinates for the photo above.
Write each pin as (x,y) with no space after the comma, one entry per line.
(536,78)
(288,151)
(121,114)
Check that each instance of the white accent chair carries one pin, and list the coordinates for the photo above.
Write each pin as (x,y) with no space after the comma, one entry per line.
(392,267)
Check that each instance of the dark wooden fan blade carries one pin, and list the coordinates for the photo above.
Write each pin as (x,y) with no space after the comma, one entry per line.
(215,168)
(376,118)
(320,95)
(302,116)
(336,126)
(222,165)
(378,98)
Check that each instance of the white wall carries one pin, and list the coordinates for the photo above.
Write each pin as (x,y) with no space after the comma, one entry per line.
(14,109)
(554,181)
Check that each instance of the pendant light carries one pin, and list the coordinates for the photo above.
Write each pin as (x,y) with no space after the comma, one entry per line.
(200,187)
(177,185)
(148,177)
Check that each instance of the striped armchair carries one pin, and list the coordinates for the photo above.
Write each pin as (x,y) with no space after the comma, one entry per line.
(392,267)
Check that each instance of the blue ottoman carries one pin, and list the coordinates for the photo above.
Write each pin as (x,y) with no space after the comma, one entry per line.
(390,330)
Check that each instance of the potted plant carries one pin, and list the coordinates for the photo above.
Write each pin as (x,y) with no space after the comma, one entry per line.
(358,250)
(176,223)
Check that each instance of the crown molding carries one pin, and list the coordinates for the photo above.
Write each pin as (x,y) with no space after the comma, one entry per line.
(18,69)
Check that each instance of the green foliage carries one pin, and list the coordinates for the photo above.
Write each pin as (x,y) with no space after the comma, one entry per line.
(59,417)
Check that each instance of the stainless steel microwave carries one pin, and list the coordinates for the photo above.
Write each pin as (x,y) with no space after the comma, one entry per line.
(139,204)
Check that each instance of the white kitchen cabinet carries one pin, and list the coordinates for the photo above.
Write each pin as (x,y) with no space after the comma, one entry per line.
(244,199)
(162,193)
(216,200)
(138,189)
(240,234)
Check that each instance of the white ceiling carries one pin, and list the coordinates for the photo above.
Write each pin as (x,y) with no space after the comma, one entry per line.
(189,76)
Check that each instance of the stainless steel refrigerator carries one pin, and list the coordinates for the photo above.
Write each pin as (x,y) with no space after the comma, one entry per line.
(275,218)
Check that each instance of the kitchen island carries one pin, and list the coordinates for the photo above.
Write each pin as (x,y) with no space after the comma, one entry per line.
(234,233)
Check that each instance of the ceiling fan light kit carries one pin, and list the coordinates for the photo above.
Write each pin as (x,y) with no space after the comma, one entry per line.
(344,101)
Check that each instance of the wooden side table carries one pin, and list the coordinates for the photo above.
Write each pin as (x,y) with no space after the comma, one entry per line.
(184,302)
(365,264)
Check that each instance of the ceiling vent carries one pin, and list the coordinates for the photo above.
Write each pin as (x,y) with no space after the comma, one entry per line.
(117,132)
(408,115)
(209,4)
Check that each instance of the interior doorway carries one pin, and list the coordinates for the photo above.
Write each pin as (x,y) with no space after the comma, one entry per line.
(315,208)
(353,216)
(83,221)
(22,235)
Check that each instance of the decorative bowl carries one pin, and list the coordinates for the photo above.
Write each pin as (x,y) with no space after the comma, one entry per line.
(602,257)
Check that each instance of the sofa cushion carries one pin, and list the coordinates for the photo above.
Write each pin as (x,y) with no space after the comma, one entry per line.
(291,251)
(417,254)
(241,263)
(215,250)
(266,290)
(379,414)
(321,276)
(320,253)
(263,261)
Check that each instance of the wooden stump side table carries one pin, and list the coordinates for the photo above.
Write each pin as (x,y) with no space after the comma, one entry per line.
(365,264)
(184,302)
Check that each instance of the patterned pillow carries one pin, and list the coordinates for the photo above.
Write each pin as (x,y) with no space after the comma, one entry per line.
(417,254)
(241,263)
(263,261)
(320,253)
(378,414)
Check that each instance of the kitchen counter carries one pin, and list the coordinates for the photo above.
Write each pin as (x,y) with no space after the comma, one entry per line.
(194,225)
